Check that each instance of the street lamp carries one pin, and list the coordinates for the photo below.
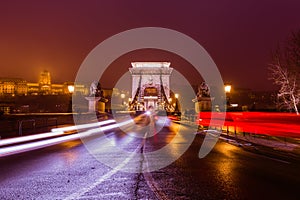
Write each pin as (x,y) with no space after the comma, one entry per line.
(71,88)
(227,88)
(129,102)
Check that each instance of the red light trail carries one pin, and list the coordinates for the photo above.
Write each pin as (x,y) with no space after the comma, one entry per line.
(273,124)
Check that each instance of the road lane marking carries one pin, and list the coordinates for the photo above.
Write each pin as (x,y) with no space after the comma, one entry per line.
(149,179)
(105,176)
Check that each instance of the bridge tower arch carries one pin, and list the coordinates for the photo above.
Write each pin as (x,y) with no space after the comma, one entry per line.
(150,85)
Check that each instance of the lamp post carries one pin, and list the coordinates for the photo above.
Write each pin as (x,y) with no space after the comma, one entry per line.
(227,89)
(71,89)
(122,97)
(176,102)
(129,102)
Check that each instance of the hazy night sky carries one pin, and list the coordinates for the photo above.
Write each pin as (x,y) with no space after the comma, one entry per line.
(58,35)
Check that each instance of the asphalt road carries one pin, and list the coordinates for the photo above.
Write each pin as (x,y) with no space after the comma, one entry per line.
(75,170)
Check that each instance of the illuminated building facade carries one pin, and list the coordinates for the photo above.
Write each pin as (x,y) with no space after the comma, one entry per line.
(20,87)
(20,96)
(13,86)
(45,86)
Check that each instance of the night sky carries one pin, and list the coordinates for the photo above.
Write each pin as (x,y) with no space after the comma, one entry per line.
(57,35)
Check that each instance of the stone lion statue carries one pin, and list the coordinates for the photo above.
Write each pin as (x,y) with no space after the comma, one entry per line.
(95,89)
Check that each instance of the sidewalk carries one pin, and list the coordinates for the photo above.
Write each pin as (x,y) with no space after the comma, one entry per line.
(274,148)
(287,144)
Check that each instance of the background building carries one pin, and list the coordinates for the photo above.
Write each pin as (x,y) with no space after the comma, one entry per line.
(18,86)
(20,96)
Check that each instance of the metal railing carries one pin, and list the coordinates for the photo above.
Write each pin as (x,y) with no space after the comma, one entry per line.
(51,119)
(20,122)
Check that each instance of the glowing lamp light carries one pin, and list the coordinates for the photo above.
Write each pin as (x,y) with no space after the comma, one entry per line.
(227,88)
(122,96)
(71,88)
(176,96)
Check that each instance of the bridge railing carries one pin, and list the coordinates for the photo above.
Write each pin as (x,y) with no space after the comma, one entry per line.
(26,124)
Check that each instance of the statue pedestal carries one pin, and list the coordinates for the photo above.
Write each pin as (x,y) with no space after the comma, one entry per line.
(101,106)
(203,104)
(93,103)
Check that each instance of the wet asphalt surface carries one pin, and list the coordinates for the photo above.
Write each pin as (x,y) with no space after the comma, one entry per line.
(72,171)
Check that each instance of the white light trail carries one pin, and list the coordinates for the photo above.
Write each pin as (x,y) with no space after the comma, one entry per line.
(54,132)
(106,128)
(10,150)
(83,126)
(6,151)
(10,141)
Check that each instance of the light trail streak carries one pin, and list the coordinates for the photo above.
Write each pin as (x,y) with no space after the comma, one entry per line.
(10,150)
(11,141)
(54,132)
(274,124)
(6,151)
(83,126)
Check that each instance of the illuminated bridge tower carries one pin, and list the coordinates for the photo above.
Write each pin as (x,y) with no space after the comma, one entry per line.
(150,85)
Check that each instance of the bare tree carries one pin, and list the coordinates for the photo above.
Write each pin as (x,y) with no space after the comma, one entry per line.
(288,96)
(285,68)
